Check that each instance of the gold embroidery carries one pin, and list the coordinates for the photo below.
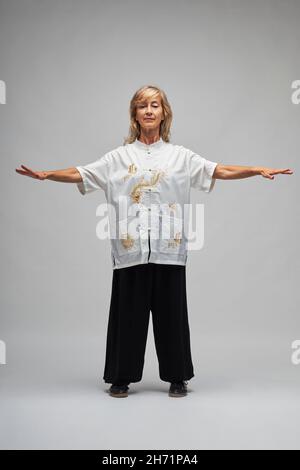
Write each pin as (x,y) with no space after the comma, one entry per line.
(137,189)
(132,169)
(127,242)
(175,241)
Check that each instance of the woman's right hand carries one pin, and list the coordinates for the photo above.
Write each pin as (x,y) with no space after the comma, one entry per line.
(40,175)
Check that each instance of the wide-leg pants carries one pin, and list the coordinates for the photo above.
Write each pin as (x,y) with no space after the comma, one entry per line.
(137,290)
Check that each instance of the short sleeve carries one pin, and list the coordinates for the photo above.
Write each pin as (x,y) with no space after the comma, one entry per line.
(200,172)
(94,175)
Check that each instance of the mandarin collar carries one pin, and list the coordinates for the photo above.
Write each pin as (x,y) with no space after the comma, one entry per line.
(153,146)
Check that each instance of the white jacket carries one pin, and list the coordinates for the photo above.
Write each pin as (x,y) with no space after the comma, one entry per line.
(153,183)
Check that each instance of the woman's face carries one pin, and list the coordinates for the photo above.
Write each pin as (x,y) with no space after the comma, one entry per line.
(149,113)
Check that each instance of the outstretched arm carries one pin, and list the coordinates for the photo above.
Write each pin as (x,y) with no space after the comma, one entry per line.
(230,172)
(69,175)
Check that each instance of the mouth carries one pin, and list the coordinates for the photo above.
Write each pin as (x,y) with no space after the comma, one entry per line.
(148,119)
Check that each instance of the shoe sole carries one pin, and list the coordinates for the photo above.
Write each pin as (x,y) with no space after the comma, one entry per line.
(177,395)
(118,395)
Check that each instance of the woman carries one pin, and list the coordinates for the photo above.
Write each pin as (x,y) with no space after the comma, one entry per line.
(153,178)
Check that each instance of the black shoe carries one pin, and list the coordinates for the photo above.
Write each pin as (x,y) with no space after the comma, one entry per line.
(178,389)
(119,390)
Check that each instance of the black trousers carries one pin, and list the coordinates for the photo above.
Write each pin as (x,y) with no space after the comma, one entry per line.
(136,290)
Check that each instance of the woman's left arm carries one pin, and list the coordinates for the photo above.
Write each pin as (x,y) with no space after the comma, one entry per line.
(230,172)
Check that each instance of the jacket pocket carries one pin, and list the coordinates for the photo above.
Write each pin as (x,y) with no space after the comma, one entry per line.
(129,236)
(171,235)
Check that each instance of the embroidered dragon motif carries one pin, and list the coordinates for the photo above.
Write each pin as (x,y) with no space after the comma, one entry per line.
(172,206)
(176,241)
(132,169)
(136,192)
(127,242)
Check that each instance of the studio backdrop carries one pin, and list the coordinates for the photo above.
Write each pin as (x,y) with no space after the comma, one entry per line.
(231,72)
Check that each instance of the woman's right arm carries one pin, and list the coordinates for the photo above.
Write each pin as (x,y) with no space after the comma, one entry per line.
(69,175)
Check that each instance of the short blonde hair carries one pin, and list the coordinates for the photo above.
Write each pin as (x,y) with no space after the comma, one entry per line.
(142,93)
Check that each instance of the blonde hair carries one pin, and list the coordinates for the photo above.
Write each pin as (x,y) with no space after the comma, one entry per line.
(142,93)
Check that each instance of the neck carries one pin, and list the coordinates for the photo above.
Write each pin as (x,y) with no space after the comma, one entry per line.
(148,138)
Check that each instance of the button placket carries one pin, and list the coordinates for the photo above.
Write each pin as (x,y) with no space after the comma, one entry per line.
(147,228)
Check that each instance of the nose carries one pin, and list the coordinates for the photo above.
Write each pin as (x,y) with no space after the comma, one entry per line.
(149,112)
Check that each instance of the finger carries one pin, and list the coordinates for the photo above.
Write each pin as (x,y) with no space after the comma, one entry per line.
(267,175)
(25,173)
(283,171)
(28,169)
(277,172)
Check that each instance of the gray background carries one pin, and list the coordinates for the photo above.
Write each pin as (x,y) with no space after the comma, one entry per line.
(71,68)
